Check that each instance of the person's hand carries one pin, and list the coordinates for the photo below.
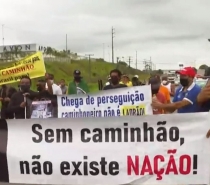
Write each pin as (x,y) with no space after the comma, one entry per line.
(156,104)
(208,134)
(26,94)
(7,99)
(23,105)
(47,76)
(204,94)
(1,99)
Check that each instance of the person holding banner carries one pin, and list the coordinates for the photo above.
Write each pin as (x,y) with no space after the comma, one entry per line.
(63,86)
(78,86)
(20,102)
(108,81)
(43,93)
(185,98)
(115,76)
(203,98)
(56,90)
(164,90)
(5,96)
(155,86)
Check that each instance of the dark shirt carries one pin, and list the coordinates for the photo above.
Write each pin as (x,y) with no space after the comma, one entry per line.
(3,94)
(14,105)
(108,87)
(43,95)
(6,93)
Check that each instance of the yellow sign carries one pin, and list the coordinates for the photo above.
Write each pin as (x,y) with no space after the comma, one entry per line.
(32,66)
(134,110)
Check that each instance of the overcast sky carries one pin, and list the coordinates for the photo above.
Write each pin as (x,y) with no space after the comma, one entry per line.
(168,31)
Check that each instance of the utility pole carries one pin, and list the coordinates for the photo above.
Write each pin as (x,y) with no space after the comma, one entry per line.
(113,33)
(129,61)
(89,55)
(103,51)
(66,44)
(118,59)
(136,59)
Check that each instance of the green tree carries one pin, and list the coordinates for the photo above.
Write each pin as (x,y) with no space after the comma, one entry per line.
(204,66)
(49,51)
(159,71)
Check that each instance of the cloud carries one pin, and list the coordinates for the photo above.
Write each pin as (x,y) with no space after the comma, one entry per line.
(170,31)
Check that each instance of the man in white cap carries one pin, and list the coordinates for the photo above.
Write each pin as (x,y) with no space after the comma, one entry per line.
(136,76)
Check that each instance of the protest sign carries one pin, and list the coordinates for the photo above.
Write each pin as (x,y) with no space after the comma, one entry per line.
(157,150)
(32,66)
(119,102)
(42,109)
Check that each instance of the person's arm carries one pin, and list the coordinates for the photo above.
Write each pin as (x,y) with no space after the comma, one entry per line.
(208,134)
(49,86)
(190,99)
(171,107)
(204,95)
(13,107)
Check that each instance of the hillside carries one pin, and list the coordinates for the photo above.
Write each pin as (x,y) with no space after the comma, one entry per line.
(99,70)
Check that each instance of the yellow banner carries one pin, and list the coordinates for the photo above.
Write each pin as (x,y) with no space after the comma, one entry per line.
(133,110)
(32,66)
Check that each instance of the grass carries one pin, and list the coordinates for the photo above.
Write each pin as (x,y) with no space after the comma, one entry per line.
(99,70)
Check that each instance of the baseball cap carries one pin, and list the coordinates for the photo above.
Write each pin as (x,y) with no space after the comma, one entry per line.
(188,71)
(77,72)
(137,76)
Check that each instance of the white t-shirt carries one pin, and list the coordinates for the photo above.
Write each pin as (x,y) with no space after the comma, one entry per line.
(56,89)
(168,86)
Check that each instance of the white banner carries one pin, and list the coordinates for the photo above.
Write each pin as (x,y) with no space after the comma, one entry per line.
(119,102)
(169,149)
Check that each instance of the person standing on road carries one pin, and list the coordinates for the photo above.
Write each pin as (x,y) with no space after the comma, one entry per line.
(185,98)
(115,76)
(135,81)
(155,86)
(168,85)
(126,80)
(63,86)
(164,90)
(20,102)
(55,88)
(78,85)
(5,96)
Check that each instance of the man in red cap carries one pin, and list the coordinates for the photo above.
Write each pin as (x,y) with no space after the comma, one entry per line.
(185,98)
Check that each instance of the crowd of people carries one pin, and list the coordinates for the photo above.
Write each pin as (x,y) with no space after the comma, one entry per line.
(188,98)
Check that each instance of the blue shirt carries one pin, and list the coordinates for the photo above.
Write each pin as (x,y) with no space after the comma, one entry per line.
(191,96)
